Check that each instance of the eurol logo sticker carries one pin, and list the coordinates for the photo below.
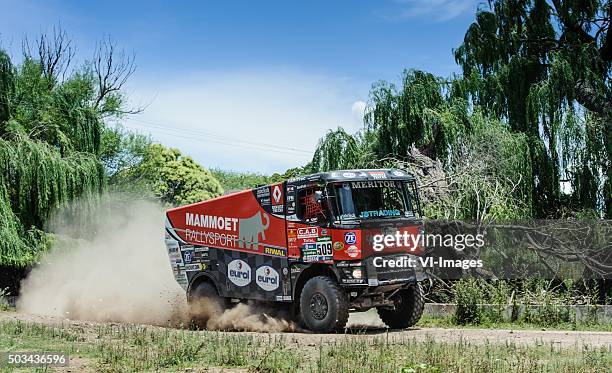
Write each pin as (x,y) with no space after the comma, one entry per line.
(267,278)
(239,272)
(350,238)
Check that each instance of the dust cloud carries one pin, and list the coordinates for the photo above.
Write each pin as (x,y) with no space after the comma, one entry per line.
(241,317)
(121,273)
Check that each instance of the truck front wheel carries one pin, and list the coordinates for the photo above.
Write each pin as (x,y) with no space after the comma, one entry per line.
(205,304)
(323,305)
(409,305)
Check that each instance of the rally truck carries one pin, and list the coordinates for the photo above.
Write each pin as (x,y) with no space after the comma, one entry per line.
(306,244)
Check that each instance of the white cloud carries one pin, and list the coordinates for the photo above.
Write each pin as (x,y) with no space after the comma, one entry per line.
(438,10)
(358,108)
(229,119)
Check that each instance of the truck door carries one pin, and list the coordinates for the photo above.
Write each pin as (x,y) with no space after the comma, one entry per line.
(308,236)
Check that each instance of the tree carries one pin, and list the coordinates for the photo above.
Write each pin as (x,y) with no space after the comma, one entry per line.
(335,151)
(121,150)
(170,177)
(545,69)
(51,127)
(418,113)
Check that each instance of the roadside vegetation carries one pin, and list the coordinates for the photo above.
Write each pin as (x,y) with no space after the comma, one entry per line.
(524,304)
(111,347)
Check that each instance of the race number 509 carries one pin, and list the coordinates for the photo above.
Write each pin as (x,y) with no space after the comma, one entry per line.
(33,359)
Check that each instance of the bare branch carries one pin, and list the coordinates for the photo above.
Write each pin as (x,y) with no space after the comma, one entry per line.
(53,53)
(111,70)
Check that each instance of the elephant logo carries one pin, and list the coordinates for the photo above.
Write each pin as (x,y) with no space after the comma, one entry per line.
(249,230)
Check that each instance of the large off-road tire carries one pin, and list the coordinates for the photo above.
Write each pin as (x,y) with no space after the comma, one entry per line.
(323,305)
(409,305)
(205,303)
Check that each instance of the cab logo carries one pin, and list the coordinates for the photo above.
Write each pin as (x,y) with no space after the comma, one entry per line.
(350,238)
(239,272)
(267,278)
(311,232)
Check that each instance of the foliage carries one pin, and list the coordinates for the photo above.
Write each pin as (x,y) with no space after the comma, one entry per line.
(62,116)
(235,181)
(530,301)
(120,150)
(51,126)
(418,113)
(7,87)
(35,179)
(534,95)
(172,178)
(485,175)
(337,150)
(541,67)
(468,299)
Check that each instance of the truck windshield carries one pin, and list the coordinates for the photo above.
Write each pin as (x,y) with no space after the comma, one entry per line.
(373,199)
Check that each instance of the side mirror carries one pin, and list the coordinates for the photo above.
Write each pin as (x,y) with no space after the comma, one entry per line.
(318,195)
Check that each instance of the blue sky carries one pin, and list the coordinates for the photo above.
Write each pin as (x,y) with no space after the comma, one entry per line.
(227,81)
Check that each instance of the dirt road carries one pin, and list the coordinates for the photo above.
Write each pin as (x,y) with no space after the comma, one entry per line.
(367,325)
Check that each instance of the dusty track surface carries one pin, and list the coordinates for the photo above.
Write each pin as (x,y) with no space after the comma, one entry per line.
(366,326)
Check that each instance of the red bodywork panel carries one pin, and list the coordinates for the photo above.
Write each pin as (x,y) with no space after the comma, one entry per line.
(234,221)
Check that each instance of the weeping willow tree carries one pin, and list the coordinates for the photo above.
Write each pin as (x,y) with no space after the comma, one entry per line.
(34,180)
(544,68)
(418,113)
(51,126)
(337,150)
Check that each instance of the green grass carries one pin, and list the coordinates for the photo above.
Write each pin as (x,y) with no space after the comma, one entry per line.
(448,322)
(143,348)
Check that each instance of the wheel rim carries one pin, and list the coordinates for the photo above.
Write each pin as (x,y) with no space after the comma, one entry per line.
(318,306)
(398,301)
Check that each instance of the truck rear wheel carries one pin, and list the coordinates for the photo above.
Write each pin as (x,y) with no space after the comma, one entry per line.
(205,303)
(323,305)
(409,305)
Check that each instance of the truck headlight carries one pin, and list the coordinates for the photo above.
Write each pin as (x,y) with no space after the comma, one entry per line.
(357,273)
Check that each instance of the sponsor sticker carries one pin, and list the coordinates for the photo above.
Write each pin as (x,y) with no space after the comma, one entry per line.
(275,251)
(192,267)
(398,173)
(352,280)
(277,195)
(267,278)
(239,272)
(348,174)
(263,192)
(188,256)
(352,251)
(338,246)
(310,232)
(350,238)
(378,174)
